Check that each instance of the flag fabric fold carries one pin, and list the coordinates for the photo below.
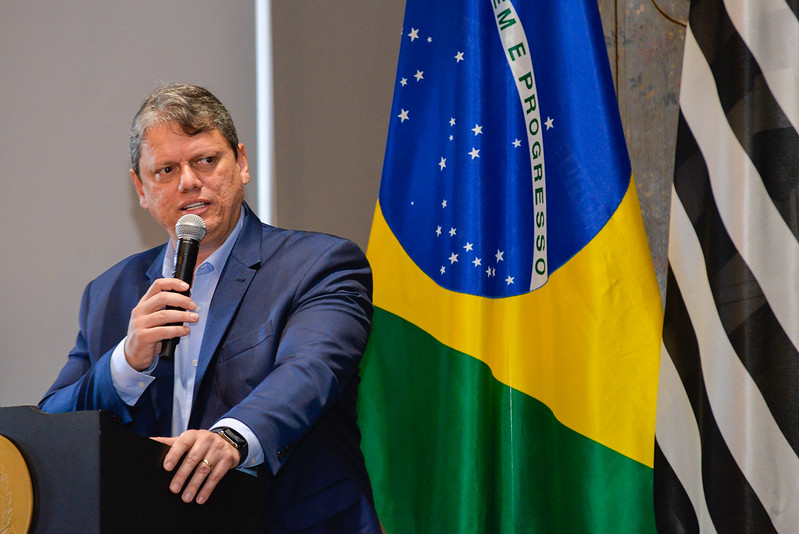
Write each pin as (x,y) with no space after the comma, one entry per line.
(509,384)
(728,406)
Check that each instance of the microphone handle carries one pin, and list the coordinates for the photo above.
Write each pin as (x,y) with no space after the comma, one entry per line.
(185,260)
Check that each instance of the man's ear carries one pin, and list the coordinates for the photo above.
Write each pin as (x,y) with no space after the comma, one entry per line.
(244,166)
(137,183)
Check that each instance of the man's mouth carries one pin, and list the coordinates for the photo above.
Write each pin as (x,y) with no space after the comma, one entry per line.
(194,206)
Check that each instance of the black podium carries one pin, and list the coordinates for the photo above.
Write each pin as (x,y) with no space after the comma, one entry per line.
(91,475)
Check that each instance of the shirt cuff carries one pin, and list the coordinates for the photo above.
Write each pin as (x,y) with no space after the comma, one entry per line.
(255,454)
(129,383)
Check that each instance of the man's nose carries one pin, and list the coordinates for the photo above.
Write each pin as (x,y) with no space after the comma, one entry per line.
(188,179)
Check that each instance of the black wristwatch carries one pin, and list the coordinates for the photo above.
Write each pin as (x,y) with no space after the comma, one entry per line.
(235,439)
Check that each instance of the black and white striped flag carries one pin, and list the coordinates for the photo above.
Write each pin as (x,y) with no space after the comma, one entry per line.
(727,453)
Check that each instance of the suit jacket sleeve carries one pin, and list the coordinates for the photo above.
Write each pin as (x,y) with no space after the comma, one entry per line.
(320,341)
(84,383)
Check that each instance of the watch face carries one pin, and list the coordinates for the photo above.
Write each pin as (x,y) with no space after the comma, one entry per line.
(233,437)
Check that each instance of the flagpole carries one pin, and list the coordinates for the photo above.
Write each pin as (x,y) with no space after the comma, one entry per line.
(265,112)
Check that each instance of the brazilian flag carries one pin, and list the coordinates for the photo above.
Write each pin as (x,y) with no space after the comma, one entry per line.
(510,380)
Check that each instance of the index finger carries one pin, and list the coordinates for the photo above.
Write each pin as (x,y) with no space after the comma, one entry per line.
(166,292)
(176,451)
(167,284)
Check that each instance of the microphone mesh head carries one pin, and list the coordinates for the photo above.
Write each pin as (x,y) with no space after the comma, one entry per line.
(190,227)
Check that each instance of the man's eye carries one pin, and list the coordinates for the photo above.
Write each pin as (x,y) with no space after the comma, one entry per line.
(164,174)
(209,160)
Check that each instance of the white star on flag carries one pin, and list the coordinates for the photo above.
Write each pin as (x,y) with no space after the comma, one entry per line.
(477,262)
(499,255)
(453,258)
(475,153)
(549,122)
(459,57)
(419,75)
(442,163)
(468,247)
(477,129)
(403,116)
(414,34)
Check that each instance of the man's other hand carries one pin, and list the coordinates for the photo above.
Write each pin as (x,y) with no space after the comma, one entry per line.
(208,457)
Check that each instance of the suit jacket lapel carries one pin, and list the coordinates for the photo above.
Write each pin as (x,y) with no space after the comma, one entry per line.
(156,268)
(243,263)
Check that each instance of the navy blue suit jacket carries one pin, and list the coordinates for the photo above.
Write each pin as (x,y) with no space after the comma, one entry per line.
(287,327)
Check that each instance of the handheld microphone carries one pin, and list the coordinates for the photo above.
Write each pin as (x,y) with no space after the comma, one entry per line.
(190,230)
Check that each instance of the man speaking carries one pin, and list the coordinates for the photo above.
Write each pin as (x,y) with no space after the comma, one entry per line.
(265,373)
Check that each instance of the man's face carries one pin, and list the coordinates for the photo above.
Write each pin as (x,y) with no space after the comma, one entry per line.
(181,174)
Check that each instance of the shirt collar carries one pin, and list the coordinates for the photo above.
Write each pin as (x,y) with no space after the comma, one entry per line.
(216,260)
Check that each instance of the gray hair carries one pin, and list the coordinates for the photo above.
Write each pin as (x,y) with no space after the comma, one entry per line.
(194,109)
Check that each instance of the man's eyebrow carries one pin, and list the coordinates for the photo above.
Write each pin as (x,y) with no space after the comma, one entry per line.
(160,164)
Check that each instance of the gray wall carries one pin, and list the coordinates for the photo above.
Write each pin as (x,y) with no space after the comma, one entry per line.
(335,64)
(645,44)
(71,76)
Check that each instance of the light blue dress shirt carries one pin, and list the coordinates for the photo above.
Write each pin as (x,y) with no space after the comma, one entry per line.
(130,384)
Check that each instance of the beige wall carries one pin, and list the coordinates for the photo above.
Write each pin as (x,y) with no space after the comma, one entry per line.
(72,77)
